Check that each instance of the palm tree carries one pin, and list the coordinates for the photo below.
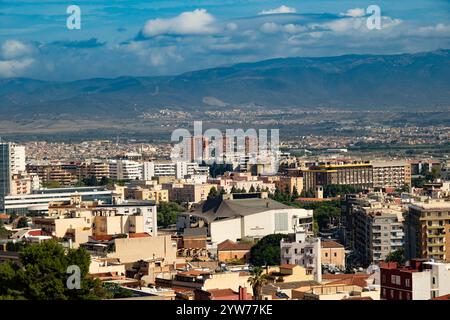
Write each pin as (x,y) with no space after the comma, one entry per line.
(257,281)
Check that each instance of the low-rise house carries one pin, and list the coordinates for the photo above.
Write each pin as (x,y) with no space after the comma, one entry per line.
(228,251)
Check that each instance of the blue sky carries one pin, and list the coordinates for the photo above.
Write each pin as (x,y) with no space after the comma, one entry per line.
(147,38)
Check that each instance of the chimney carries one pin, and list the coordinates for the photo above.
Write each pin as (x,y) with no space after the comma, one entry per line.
(242,293)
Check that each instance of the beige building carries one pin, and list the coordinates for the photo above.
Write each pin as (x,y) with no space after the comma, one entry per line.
(289,183)
(427,230)
(188,192)
(396,174)
(153,194)
(333,253)
(129,250)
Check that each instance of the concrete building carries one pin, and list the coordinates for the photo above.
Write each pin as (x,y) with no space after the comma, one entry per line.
(38,200)
(427,227)
(188,192)
(332,254)
(303,251)
(12,161)
(289,184)
(179,170)
(238,216)
(358,175)
(421,280)
(396,174)
(125,170)
(378,230)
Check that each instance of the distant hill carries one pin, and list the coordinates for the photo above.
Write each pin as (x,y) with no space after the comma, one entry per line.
(419,80)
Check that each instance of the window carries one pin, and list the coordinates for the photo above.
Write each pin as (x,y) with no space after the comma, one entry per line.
(434,280)
(302,250)
(392,279)
(295,251)
(400,295)
(392,293)
(287,251)
(335,254)
(407,283)
(326,254)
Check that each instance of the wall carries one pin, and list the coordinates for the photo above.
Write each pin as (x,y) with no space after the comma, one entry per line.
(134,249)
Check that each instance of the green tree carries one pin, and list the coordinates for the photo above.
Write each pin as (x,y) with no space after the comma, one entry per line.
(4,234)
(43,274)
(295,194)
(396,256)
(213,193)
(22,223)
(252,189)
(257,281)
(167,213)
(234,190)
(267,250)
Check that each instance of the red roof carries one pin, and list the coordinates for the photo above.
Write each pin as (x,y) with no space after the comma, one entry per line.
(222,292)
(229,245)
(331,244)
(347,279)
(446,297)
(102,237)
(139,235)
(4,216)
(35,232)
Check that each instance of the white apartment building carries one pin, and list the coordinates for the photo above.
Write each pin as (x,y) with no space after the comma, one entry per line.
(12,161)
(304,251)
(125,170)
(179,170)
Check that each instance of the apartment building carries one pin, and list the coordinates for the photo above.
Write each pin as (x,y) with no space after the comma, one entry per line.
(179,170)
(97,169)
(188,192)
(420,280)
(289,183)
(156,194)
(64,175)
(378,174)
(378,230)
(303,251)
(12,161)
(396,174)
(125,170)
(427,230)
(358,175)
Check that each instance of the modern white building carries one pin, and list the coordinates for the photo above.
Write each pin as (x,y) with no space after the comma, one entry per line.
(125,170)
(238,216)
(12,161)
(178,170)
(39,200)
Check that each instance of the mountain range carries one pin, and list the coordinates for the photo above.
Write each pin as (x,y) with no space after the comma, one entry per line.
(416,81)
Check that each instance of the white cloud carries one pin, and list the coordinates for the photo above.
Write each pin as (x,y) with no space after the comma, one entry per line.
(356,12)
(439,29)
(282,9)
(194,22)
(232,26)
(14,68)
(270,27)
(14,49)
